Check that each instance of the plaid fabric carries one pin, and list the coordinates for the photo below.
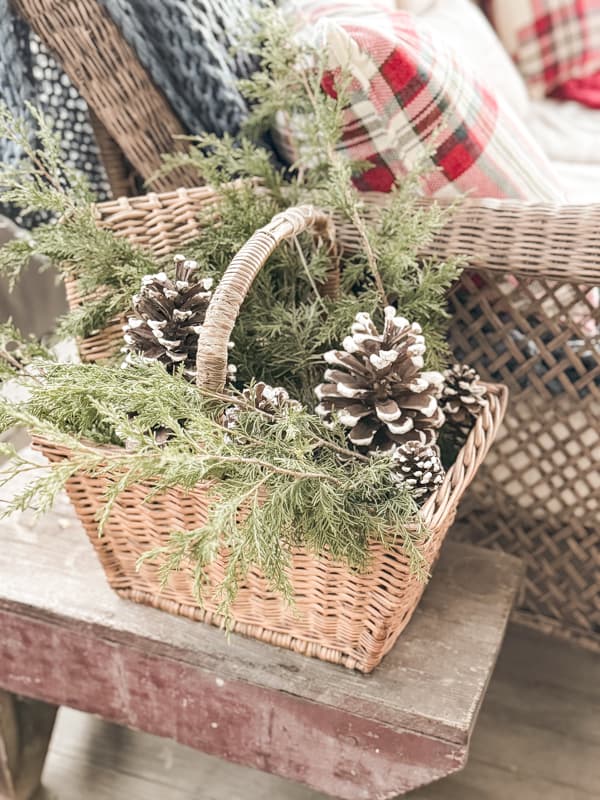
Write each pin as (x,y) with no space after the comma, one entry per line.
(583,90)
(412,102)
(551,41)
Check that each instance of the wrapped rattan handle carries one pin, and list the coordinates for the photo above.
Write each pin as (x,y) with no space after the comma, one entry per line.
(236,282)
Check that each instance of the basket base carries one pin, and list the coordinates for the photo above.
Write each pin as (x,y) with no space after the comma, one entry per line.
(304,646)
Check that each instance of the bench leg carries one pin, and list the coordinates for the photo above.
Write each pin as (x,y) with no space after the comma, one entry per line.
(25,730)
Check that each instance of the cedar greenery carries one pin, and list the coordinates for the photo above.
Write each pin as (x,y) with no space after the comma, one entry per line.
(295,476)
(285,324)
(103,264)
(17,352)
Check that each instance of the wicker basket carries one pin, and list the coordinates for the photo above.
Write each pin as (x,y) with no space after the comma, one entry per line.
(340,615)
(542,504)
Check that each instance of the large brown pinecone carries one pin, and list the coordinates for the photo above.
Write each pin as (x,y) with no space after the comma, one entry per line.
(167,318)
(377,388)
(463,396)
(418,467)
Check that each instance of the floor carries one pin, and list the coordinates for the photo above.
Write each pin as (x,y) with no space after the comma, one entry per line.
(538,738)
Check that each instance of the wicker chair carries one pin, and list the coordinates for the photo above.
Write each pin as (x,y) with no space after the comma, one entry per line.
(538,495)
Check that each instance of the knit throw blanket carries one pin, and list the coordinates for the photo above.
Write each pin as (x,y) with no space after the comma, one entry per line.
(30,74)
(187,46)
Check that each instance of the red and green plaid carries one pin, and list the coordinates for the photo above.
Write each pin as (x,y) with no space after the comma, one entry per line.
(412,102)
(552,42)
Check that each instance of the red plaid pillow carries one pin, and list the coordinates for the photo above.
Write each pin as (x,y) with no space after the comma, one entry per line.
(413,102)
(553,42)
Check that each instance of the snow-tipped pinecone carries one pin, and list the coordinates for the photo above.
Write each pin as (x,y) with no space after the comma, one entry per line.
(377,388)
(167,318)
(270,399)
(462,396)
(418,467)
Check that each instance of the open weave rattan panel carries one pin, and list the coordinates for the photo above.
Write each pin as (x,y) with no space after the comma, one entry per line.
(538,493)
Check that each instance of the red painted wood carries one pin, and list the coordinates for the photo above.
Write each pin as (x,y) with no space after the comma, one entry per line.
(66,638)
(353,758)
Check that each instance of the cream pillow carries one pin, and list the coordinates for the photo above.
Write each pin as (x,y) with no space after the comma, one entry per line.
(465,28)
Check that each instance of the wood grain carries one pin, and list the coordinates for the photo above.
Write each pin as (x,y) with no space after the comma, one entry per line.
(68,639)
(540,684)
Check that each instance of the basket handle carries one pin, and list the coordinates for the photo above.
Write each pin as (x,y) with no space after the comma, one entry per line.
(235,284)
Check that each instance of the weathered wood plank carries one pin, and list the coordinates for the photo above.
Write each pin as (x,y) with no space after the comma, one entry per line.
(25,730)
(9,746)
(49,567)
(98,761)
(358,758)
(68,639)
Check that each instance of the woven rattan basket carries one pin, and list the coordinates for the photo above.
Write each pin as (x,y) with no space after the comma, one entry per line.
(340,615)
(538,495)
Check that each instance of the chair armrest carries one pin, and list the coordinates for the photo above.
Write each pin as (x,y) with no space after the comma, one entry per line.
(557,242)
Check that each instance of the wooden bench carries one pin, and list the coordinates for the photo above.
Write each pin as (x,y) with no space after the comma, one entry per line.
(66,639)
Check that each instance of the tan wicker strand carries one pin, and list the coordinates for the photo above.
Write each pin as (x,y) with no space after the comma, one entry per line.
(108,75)
(119,174)
(340,615)
(229,295)
(551,241)
(561,242)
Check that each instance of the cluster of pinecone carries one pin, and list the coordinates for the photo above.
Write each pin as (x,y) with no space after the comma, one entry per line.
(376,386)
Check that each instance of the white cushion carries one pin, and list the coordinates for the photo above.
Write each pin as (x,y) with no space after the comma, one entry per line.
(580,182)
(566,131)
(467,30)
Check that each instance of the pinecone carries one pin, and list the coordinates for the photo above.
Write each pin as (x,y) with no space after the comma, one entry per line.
(168,315)
(270,399)
(462,396)
(377,388)
(418,467)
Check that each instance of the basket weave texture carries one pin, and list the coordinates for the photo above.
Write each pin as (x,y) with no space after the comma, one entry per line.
(340,615)
(538,494)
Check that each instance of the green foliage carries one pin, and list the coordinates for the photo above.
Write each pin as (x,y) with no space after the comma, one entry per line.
(17,352)
(291,474)
(41,181)
(107,269)
(284,325)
